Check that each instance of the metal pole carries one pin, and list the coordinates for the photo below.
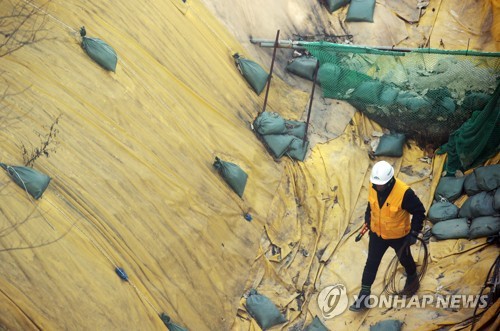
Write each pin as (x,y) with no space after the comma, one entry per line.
(271,70)
(299,45)
(311,102)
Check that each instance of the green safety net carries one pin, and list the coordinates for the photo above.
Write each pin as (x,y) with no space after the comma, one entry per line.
(426,94)
(476,140)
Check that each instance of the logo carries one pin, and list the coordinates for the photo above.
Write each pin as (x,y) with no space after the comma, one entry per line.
(332,300)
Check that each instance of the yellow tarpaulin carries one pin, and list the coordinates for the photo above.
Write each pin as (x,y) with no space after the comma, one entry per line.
(133,187)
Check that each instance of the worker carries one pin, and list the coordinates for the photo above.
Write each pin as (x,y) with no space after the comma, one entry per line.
(394,216)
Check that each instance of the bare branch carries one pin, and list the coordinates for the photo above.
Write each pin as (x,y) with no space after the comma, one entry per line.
(21,26)
(48,144)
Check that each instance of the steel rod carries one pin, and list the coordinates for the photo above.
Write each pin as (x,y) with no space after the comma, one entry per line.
(271,71)
(311,102)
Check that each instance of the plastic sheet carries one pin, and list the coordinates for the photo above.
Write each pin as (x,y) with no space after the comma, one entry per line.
(133,186)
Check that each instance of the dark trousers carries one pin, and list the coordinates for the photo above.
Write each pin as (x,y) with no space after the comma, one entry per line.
(376,250)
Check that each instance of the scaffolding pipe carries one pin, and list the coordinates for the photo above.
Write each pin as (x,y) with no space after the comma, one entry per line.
(301,45)
(281,43)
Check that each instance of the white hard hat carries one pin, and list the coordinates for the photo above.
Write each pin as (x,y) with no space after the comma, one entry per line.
(382,172)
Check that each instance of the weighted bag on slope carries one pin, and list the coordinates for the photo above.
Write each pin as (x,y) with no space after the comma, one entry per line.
(263,310)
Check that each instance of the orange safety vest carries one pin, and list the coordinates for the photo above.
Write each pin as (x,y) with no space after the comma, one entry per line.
(391,221)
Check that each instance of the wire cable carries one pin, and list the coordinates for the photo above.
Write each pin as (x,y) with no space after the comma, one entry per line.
(496,275)
(391,284)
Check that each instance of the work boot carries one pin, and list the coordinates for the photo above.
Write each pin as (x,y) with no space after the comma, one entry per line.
(412,285)
(361,301)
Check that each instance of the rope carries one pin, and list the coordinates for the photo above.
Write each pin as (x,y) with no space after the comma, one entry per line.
(143,297)
(244,209)
(102,251)
(495,265)
(390,285)
(50,15)
(123,63)
(93,242)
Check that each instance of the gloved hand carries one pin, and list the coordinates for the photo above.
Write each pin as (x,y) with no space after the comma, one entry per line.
(411,238)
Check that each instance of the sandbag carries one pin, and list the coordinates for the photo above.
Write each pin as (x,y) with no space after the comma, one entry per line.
(328,75)
(295,128)
(488,177)
(368,92)
(496,200)
(303,66)
(171,326)
(282,136)
(297,149)
(234,176)
(263,310)
(278,143)
(443,107)
(391,145)
(338,82)
(333,5)
(269,123)
(413,101)
(387,325)
(477,205)
(375,92)
(99,51)
(451,229)
(484,226)
(442,211)
(475,100)
(316,325)
(388,95)
(29,179)
(253,73)
(450,188)
(470,184)
(360,11)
